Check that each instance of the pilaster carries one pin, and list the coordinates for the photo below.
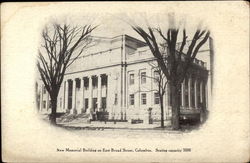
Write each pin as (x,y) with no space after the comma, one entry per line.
(99,94)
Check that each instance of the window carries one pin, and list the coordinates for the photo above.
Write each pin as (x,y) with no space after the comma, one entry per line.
(94,82)
(157,98)
(132,99)
(78,84)
(143,77)
(86,83)
(44,104)
(156,76)
(143,98)
(104,80)
(131,79)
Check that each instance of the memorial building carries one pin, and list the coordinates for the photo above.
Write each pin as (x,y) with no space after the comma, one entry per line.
(115,75)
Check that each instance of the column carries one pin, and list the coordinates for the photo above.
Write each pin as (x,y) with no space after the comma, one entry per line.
(138,100)
(165,100)
(209,91)
(124,78)
(106,92)
(41,98)
(124,90)
(121,93)
(99,94)
(64,87)
(195,94)
(66,95)
(90,94)
(206,94)
(82,98)
(47,99)
(110,95)
(183,93)
(150,97)
(78,107)
(201,92)
(189,92)
(73,95)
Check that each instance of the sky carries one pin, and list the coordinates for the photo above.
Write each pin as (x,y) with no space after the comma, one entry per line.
(111,25)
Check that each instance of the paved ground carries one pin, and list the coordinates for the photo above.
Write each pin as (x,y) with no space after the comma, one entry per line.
(123,129)
(112,125)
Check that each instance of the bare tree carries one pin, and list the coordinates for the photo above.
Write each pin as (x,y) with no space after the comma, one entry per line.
(177,64)
(161,82)
(62,45)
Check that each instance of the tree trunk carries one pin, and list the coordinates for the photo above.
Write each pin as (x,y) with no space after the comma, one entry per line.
(53,110)
(175,107)
(162,111)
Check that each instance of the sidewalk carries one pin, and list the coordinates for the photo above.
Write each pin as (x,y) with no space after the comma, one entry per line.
(111,125)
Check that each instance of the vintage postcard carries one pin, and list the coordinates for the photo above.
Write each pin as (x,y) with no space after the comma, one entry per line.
(125,82)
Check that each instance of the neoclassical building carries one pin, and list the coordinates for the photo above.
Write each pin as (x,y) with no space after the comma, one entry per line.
(115,75)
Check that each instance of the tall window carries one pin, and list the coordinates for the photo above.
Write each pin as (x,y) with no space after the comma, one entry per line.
(157,98)
(143,98)
(143,77)
(78,84)
(132,99)
(86,83)
(104,80)
(131,79)
(94,82)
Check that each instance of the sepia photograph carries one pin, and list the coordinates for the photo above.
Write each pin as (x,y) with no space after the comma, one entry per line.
(157,78)
(125,82)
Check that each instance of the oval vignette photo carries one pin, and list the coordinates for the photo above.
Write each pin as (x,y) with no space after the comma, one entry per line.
(148,77)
